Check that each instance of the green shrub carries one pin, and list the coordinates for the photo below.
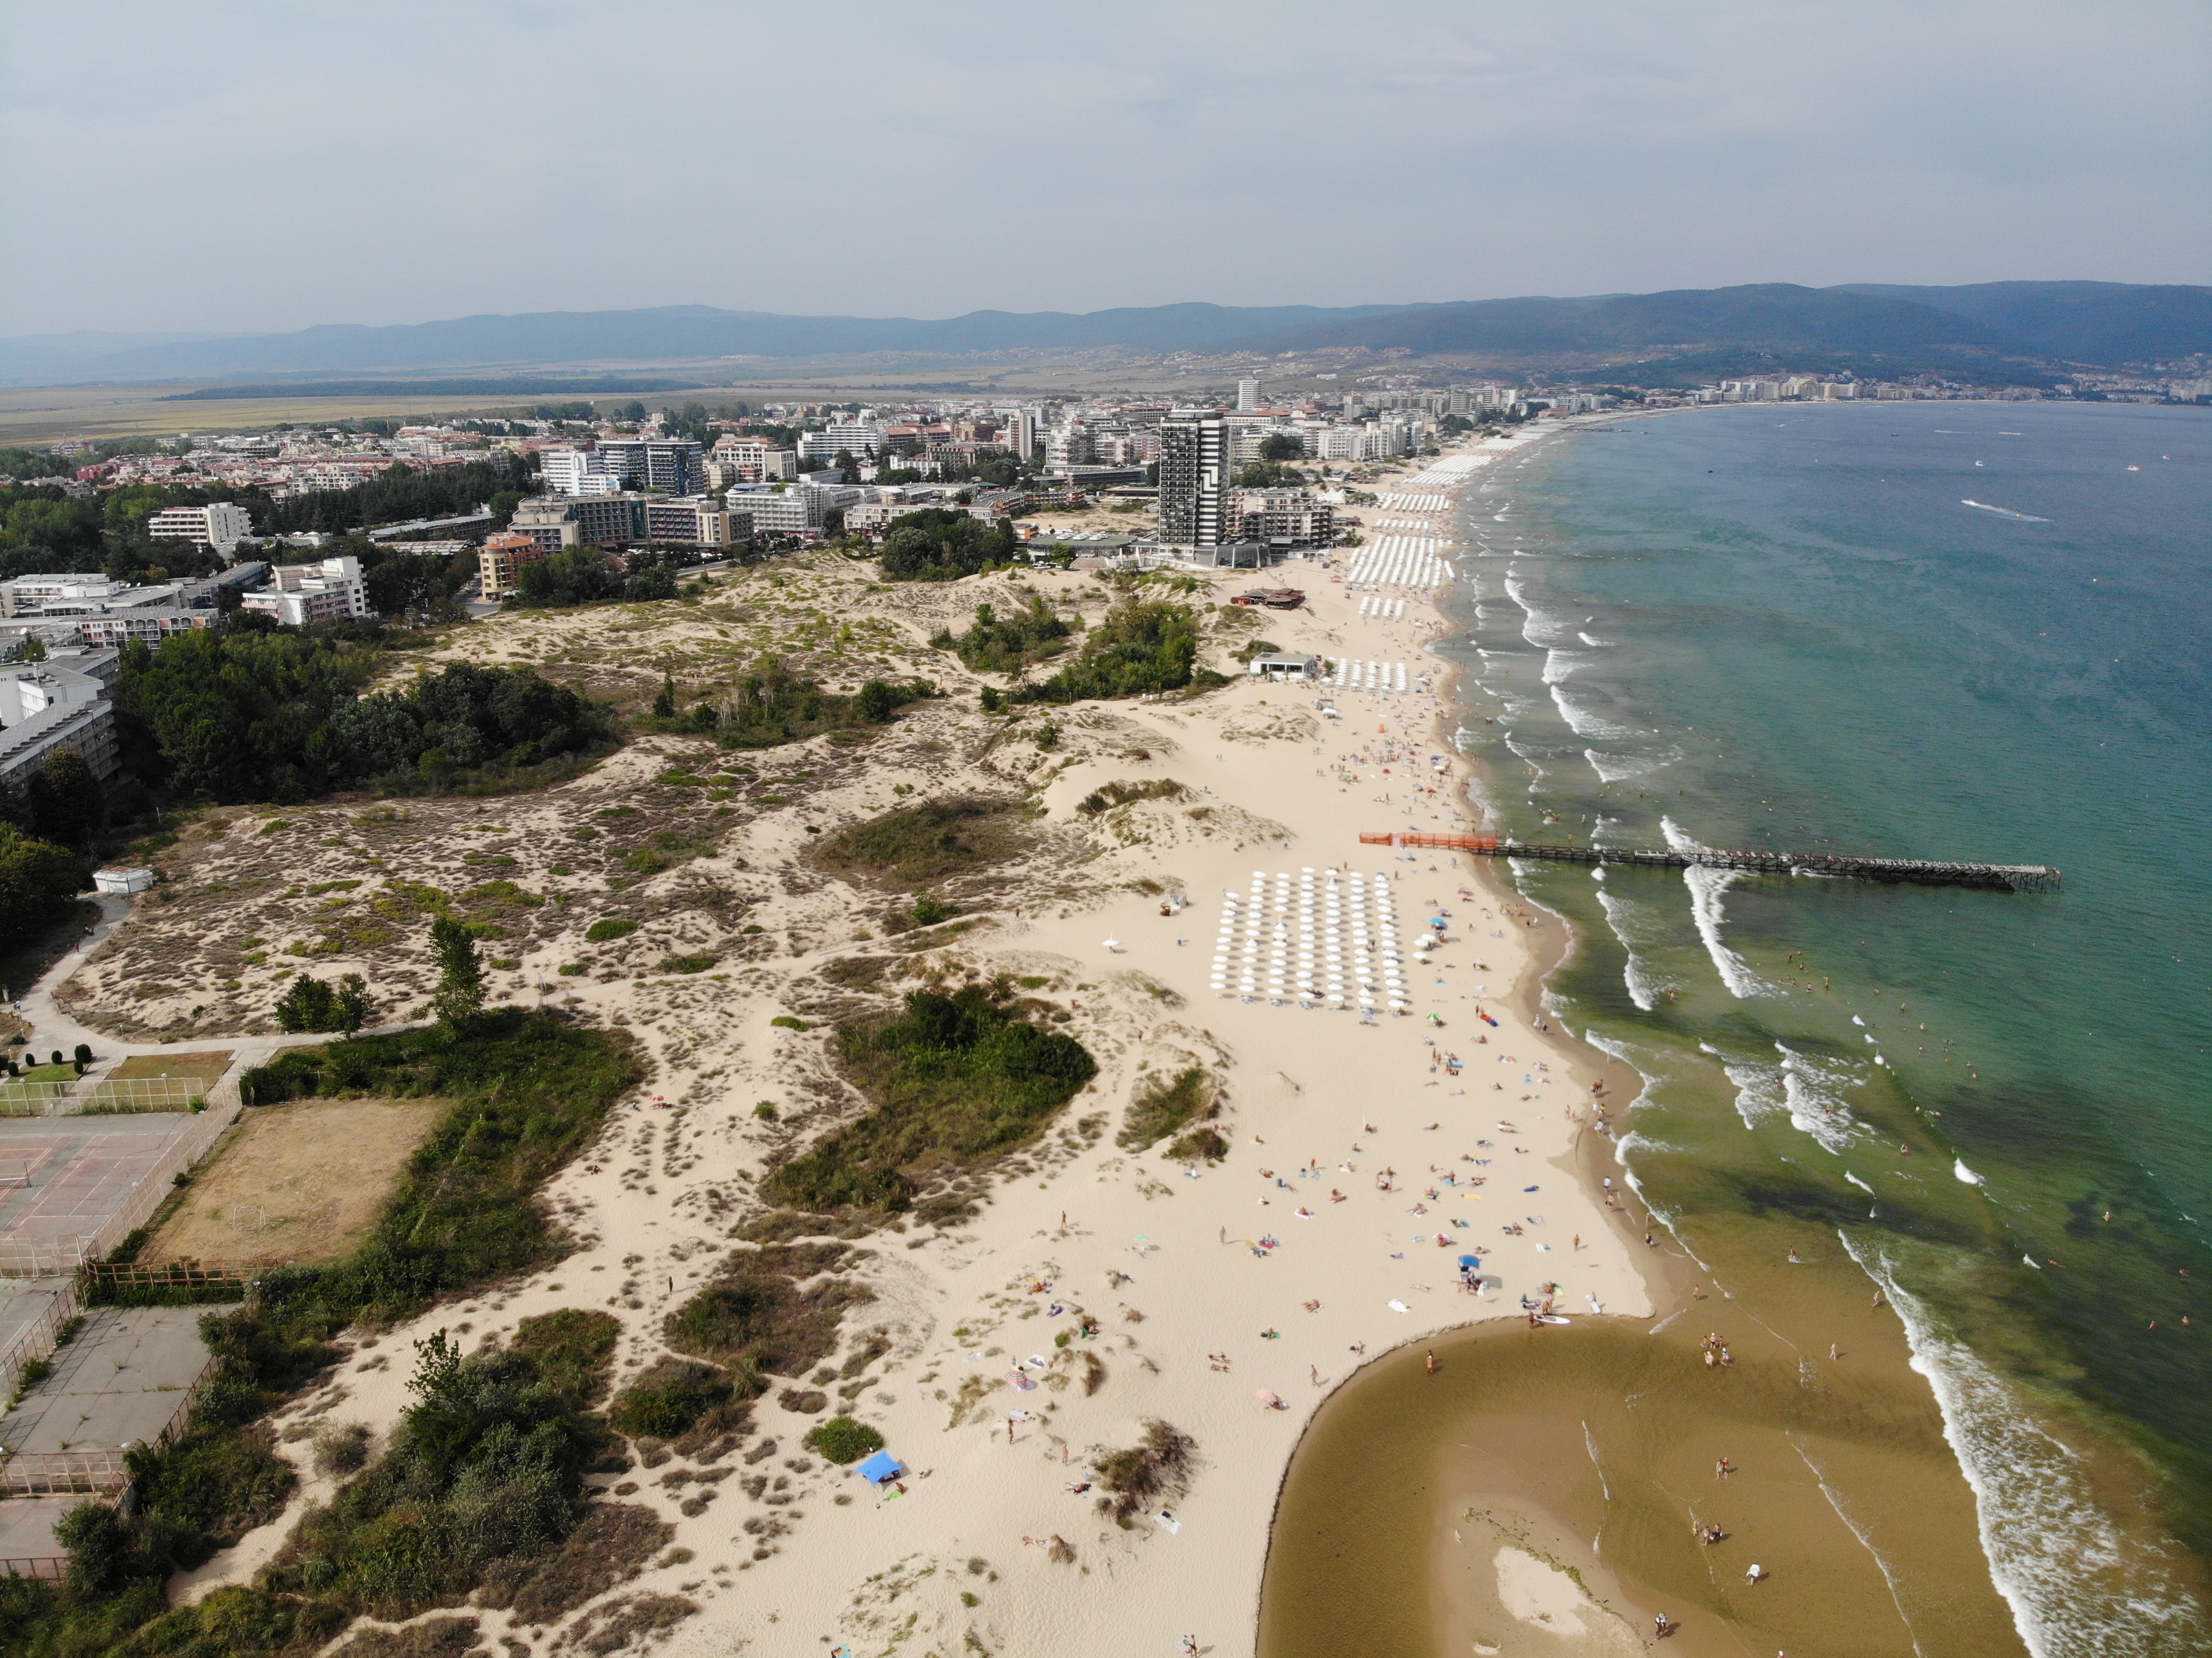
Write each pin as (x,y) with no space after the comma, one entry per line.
(765,1111)
(926,843)
(692,963)
(1140,646)
(1164,1106)
(1120,794)
(956,1077)
(600,933)
(1010,644)
(667,1399)
(843,1441)
(786,1022)
(755,1317)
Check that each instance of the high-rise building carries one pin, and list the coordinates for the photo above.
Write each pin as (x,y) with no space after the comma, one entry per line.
(1018,432)
(1248,396)
(1196,463)
(676,466)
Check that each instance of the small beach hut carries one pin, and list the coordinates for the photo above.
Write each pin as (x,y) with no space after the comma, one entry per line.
(881,1469)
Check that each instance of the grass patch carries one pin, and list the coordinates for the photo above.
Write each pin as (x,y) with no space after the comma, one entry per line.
(755,1318)
(843,1441)
(668,1400)
(924,843)
(600,933)
(612,1545)
(1155,1470)
(956,1077)
(693,963)
(1120,794)
(1163,1106)
(207,1066)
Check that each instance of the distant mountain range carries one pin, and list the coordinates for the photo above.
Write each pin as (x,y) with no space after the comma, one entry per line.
(2103,323)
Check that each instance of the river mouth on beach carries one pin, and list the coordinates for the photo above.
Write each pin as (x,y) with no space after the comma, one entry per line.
(1595,1448)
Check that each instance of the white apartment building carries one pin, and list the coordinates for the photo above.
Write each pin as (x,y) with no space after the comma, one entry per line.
(299,594)
(220,524)
(1068,445)
(580,471)
(857,440)
(1248,396)
(751,460)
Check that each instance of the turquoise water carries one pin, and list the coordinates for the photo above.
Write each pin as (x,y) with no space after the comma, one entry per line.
(1784,627)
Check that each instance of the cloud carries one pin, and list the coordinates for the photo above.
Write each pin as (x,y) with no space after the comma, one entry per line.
(249,166)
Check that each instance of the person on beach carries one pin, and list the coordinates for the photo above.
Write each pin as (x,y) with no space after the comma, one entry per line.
(1754,1573)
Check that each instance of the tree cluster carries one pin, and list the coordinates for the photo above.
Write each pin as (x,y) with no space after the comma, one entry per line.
(1009,644)
(1140,646)
(586,575)
(942,544)
(311,1003)
(243,716)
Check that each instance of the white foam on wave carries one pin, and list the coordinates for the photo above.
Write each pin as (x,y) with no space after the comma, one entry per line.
(1597,644)
(1559,664)
(1960,1170)
(2053,1553)
(1627,921)
(1707,888)
(1856,1181)
(1544,628)
(1814,1091)
(1622,768)
(1583,722)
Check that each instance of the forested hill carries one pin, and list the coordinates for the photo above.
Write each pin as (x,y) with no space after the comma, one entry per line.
(2099,323)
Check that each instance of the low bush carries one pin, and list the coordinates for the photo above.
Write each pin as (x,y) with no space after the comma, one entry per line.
(1120,794)
(1163,1105)
(696,963)
(1009,644)
(612,927)
(1155,1470)
(955,1078)
(760,1314)
(924,843)
(843,1441)
(667,1399)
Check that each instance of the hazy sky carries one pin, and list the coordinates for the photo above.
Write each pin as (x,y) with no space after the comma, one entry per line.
(193,164)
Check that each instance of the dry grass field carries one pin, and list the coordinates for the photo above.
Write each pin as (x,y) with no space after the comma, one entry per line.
(301,1182)
(206,1065)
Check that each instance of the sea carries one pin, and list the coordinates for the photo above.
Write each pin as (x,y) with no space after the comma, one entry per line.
(1952,630)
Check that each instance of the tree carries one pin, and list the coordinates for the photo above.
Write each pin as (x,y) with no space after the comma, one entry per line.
(876,703)
(1282,445)
(664,706)
(39,881)
(351,1007)
(66,801)
(34,649)
(460,993)
(307,1005)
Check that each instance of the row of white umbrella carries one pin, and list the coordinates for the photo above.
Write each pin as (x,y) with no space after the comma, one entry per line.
(1293,942)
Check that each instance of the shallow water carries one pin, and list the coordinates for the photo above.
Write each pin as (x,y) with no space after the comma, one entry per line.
(1782,627)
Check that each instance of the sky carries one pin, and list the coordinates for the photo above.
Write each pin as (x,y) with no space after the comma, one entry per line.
(200,165)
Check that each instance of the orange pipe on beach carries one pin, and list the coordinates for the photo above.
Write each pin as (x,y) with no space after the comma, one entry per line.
(1452,842)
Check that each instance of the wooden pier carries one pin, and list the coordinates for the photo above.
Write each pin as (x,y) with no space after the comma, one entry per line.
(1995,878)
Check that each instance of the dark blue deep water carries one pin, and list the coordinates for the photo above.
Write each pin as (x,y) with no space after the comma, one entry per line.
(1784,626)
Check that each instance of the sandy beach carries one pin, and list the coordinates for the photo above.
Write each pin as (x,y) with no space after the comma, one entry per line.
(1099,1288)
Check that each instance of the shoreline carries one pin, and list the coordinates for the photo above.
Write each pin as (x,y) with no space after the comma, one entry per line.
(1863,1551)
